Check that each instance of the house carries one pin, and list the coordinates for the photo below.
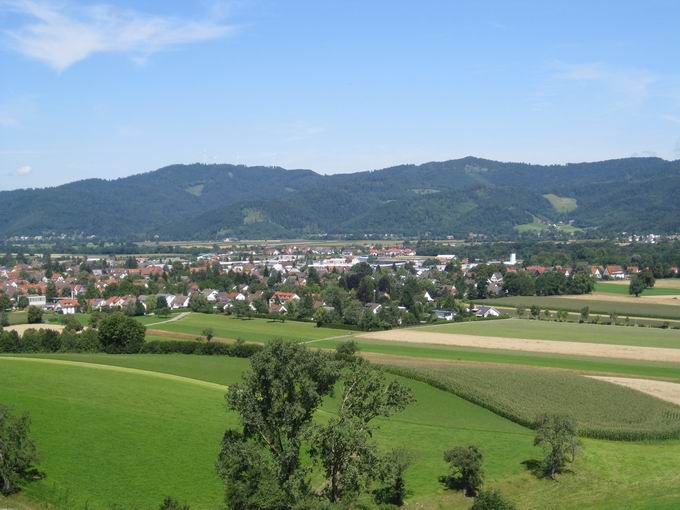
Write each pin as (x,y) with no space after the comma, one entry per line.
(496,278)
(444,315)
(279,309)
(427,297)
(597,272)
(36,300)
(176,301)
(283,297)
(67,306)
(614,272)
(494,288)
(210,294)
(374,308)
(486,311)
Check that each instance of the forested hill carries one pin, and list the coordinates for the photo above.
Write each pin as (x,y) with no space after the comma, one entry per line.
(454,197)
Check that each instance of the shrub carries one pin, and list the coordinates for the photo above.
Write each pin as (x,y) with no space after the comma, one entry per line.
(466,469)
(17,451)
(121,334)
(35,315)
(491,500)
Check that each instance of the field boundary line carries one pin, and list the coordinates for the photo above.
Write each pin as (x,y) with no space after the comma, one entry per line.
(117,368)
(349,335)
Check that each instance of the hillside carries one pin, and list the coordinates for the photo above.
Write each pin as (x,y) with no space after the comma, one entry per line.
(444,198)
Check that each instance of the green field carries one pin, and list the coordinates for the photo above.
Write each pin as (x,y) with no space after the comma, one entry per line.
(564,331)
(617,288)
(601,409)
(252,330)
(417,353)
(632,309)
(160,436)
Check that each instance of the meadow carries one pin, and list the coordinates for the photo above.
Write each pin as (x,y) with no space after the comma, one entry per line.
(141,423)
(248,329)
(622,289)
(573,304)
(565,331)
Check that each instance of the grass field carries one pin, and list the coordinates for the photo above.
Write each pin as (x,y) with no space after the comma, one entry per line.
(253,330)
(632,309)
(600,409)
(160,437)
(616,288)
(419,353)
(565,331)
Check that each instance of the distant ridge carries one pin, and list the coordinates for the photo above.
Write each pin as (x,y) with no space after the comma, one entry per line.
(453,197)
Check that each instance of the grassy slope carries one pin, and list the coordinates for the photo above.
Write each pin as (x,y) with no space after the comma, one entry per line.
(158,436)
(256,330)
(600,409)
(632,309)
(565,331)
(608,475)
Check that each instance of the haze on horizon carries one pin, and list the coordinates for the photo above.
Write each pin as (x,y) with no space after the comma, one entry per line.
(91,89)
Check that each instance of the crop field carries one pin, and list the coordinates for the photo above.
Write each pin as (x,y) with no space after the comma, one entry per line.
(141,423)
(253,330)
(634,308)
(564,331)
(601,409)
(616,288)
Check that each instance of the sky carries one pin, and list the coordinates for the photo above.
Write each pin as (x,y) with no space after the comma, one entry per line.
(95,89)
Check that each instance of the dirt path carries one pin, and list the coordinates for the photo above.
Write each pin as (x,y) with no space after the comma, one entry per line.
(115,368)
(520,344)
(176,318)
(21,328)
(668,391)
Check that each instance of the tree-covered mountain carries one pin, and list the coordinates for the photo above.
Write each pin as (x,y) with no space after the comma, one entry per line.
(444,198)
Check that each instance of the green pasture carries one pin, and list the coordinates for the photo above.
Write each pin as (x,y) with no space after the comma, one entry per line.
(617,288)
(161,436)
(634,308)
(252,330)
(564,331)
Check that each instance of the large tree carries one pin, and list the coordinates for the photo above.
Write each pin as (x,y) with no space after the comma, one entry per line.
(350,459)
(557,435)
(119,333)
(17,451)
(276,402)
(466,469)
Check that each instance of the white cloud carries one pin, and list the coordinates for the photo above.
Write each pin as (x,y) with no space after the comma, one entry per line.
(62,34)
(631,84)
(24,170)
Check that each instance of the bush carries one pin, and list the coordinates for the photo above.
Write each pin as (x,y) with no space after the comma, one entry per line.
(237,350)
(491,500)
(466,469)
(17,451)
(35,315)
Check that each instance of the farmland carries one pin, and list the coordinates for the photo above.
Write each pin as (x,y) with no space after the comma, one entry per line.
(564,331)
(632,308)
(88,404)
(601,409)
(622,289)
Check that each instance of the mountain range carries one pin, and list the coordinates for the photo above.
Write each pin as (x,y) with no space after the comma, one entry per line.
(456,197)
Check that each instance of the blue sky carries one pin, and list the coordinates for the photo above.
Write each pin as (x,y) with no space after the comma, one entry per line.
(93,89)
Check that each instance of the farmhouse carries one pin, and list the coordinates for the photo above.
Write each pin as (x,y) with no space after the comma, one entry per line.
(486,311)
(67,306)
(614,272)
(444,315)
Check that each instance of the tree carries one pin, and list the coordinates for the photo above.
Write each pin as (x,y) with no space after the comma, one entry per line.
(208,334)
(4,319)
(343,447)
(121,334)
(558,437)
(584,314)
(519,284)
(35,315)
(276,402)
(162,308)
(491,500)
(636,286)
(466,469)
(366,289)
(17,451)
(521,312)
(535,311)
(394,491)
(5,303)
(22,302)
(199,303)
